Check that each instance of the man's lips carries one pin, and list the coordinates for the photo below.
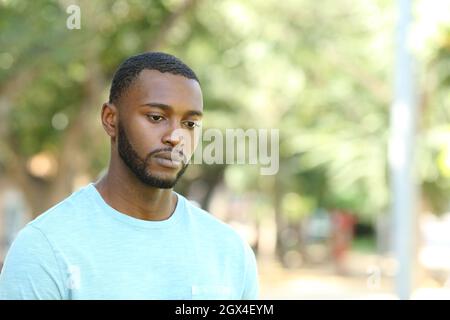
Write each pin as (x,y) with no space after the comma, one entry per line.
(172,156)
(168,159)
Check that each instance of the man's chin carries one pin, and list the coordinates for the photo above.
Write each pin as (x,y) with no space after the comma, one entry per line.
(160,183)
(160,180)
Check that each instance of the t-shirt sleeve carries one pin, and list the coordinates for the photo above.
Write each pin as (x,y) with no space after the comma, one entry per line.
(251,289)
(31,269)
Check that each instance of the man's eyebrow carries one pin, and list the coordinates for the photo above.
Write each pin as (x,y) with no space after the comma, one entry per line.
(167,107)
(194,113)
(157,105)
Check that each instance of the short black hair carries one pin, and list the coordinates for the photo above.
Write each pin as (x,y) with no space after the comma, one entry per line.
(130,69)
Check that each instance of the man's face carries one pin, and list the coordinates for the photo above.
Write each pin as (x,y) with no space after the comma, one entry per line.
(158,117)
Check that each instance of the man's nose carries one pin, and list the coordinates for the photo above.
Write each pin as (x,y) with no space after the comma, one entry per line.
(173,138)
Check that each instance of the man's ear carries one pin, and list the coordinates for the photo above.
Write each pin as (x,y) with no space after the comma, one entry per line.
(109,119)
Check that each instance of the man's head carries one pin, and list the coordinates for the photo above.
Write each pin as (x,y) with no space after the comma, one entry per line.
(155,107)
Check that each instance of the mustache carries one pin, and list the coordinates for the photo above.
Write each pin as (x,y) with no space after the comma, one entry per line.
(171,150)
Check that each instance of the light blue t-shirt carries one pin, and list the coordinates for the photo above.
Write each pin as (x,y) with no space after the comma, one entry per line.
(84,249)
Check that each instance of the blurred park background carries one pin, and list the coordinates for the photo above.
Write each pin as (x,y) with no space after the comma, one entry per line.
(320,71)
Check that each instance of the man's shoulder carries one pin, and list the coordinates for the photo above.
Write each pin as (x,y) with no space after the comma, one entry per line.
(65,212)
(207,222)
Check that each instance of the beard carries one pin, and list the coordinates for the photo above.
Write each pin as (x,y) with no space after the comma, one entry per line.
(140,166)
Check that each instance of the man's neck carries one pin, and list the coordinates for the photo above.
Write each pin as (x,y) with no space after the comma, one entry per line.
(125,193)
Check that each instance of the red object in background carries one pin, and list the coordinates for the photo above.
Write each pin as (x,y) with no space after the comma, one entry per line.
(342,234)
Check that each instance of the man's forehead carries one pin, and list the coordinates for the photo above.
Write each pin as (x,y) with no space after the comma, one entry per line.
(152,84)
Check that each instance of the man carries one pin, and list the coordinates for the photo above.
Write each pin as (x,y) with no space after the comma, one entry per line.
(129,235)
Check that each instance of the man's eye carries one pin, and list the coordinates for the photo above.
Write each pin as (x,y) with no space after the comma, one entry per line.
(154,117)
(191,124)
